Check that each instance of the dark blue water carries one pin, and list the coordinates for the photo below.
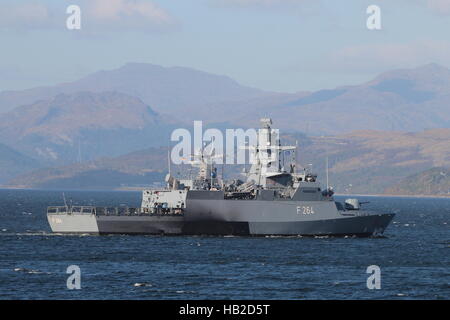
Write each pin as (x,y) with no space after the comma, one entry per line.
(414,257)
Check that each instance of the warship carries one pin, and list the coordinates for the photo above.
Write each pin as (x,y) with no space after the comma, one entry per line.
(270,200)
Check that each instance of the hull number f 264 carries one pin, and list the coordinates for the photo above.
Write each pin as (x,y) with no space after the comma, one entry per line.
(305,210)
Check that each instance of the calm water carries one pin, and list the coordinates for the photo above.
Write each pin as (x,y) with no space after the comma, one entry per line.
(414,257)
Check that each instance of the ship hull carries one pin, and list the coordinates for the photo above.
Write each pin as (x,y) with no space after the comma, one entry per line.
(227,217)
(258,217)
(355,226)
(101,225)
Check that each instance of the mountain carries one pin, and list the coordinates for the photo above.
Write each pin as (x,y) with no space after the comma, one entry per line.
(171,90)
(401,100)
(83,126)
(406,100)
(435,181)
(13,163)
(368,162)
(138,105)
(365,162)
(137,168)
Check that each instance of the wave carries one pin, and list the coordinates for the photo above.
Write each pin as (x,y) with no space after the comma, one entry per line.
(44,234)
(30,271)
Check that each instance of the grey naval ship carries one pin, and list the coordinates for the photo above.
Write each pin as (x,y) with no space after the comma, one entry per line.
(271,200)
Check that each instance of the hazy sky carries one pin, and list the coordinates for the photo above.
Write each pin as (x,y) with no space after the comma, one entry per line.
(281,45)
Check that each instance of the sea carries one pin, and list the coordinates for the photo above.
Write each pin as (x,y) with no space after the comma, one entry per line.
(411,260)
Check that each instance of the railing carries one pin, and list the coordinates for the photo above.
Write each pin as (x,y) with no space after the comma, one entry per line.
(114,211)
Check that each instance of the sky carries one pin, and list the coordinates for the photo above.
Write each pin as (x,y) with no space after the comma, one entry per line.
(276,45)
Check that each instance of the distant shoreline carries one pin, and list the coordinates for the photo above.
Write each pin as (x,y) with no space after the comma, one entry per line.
(394,195)
(138,189)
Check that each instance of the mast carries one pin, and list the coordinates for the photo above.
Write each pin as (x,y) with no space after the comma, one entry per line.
(64,198)
(269,154)
(295,156)
(280,155)
(168,158)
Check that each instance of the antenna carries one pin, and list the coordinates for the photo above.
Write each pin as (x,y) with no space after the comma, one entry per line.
(280,155)
(223,177)
(168,157)
(64,198)
(211,160)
